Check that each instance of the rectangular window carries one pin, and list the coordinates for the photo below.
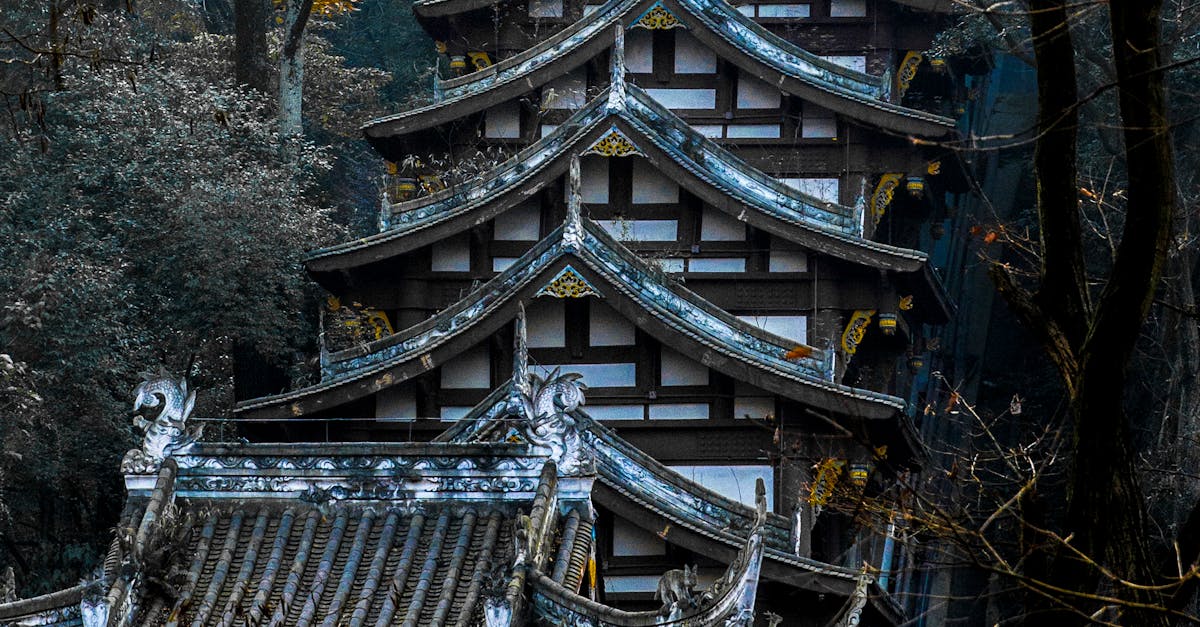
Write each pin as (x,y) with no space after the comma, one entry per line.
(641,230)
(747,10)
(794,328)
(608,328)
(452,254)
(848,8)
(675,369)
(691,56)
(471,369)
(616,412)
(755,94)
(651,186)
(639,51)
(685,98)
(718,226)
(519,224)
(784,11)
(752,131)
(734,482)
(546,323)
(717,264)
(679,411)
(547,129)
(712,131)
(503,121)
(595,375)
(566,92)
(545,8)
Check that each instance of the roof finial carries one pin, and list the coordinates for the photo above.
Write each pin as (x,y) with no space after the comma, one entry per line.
(573,228)
(616,79)
(520,375)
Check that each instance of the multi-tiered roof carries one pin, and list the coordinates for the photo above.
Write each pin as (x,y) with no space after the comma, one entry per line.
(524,508)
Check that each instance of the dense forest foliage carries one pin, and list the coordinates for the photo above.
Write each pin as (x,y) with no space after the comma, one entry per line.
(152,215)
(155,212)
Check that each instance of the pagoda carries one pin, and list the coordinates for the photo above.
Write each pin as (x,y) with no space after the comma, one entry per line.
(635,340)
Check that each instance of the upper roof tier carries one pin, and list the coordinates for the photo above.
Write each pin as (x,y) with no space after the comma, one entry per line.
(426,9)
(585,255)
(716,24)
(630,117)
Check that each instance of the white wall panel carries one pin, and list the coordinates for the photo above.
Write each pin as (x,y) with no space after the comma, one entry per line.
(718,226)
(717,264)
(639,51)
(503,121)
(755,94)
(679,411)
(595,375)
(685,98)
(691,56)
(734,482)
(679,370)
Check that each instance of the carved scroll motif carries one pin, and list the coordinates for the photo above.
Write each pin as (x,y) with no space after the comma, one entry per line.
(658,17)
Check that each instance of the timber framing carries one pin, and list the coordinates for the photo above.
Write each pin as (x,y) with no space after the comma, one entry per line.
(717,176)
(717,25)
(639,291)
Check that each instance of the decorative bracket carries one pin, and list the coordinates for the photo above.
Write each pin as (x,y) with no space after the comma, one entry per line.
(568,283)
(657,17)
(614,143)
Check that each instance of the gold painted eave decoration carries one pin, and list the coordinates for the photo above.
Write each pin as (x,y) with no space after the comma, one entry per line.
(568,283)
(881,198)
(614,143)
(907,71)
(657,17)
(855,330)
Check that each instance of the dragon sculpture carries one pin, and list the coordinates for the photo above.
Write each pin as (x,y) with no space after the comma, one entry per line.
(167,430)
(550,423)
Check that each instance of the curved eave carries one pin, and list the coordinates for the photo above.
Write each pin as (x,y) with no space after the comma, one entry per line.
(533,68)
(715,23)
(667,311)
(793,70)
(703,167)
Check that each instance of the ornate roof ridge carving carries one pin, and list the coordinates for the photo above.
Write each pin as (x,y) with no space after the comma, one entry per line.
(679,309)
(687,148)
(760,49)
(650,484)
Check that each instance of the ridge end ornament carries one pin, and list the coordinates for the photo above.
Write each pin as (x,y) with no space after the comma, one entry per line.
(167,431)
(616,76)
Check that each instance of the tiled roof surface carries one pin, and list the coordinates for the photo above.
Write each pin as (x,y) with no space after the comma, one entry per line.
(353,565)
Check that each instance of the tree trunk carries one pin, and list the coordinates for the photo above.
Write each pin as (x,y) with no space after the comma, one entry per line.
(291,70)
(250,48)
